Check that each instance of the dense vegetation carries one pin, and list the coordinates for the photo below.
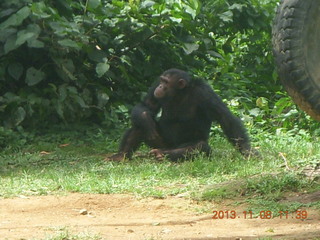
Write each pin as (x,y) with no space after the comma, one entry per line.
(89,61)
(70,61)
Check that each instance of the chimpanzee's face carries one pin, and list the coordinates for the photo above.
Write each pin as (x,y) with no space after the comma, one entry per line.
(168,86)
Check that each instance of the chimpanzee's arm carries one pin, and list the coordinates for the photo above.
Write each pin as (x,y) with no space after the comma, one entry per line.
(143,117)
(143,129)
(146,110)
(230,124)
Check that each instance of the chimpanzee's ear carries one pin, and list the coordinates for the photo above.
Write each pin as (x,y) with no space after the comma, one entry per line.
(182,83)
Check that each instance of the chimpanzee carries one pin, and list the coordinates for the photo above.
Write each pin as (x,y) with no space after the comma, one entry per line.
(188,108)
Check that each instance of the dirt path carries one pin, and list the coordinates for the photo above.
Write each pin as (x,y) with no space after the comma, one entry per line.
(125,217)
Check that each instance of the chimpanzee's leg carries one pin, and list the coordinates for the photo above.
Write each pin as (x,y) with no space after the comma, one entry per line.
(182,151)
(130,142)
(144,129)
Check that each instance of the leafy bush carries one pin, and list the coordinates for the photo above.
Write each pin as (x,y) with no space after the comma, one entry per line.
(10,139)
(70,61)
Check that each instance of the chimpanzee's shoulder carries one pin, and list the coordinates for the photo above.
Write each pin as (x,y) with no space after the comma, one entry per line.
(201,86)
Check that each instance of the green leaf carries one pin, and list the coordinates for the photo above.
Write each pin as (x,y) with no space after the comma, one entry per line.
(59,109)
(35,28)
(62,92)
(34,43)
(191,11)
(11,97)
(237,7)
(23,36)
(68,68)
(117,3)
(255,112)
(196,5)
(103,99)
(10,44)
(94,3)
(6,12)
(80,101)
(15,41)
(177,20)
(147,4)
(19,116)
(39,9)
(69,43)
(102,68)
(15,70)
(72,90)
(262,102)
(215,54)
(226,16)
(54,87)
(16,19)
(190,47)
(97,55)
(280,105)
(34,76)
(251,22)
(6,33)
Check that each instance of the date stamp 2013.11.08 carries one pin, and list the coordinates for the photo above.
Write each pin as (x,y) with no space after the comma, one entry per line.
(232,214)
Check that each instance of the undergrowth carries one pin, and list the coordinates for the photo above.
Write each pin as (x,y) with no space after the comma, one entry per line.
(73,161)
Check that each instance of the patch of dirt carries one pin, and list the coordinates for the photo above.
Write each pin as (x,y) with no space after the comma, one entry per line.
(126,217)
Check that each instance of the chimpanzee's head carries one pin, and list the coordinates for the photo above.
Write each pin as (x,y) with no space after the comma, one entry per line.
(171,82)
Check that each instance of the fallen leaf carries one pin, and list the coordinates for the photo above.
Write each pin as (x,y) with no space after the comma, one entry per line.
(64,145)
(44,153)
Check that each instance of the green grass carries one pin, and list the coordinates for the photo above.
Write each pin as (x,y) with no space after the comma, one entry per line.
(46,165)
(63,234)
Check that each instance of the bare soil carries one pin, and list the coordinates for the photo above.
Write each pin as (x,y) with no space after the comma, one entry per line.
(127,217)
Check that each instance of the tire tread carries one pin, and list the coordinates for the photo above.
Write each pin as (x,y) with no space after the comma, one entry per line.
(290,59)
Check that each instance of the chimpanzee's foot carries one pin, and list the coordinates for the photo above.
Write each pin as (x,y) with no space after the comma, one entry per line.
(118,157)
(158,153)
(252,152)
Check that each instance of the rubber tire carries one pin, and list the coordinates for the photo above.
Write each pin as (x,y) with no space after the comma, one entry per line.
(296,47)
